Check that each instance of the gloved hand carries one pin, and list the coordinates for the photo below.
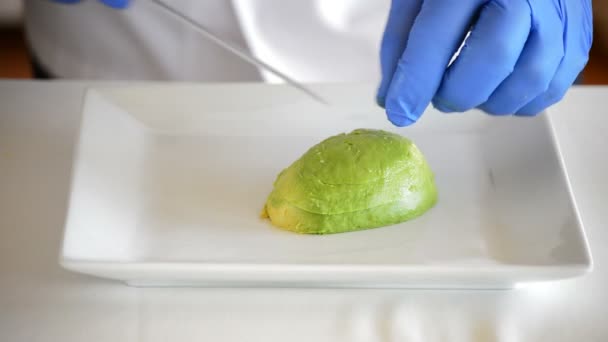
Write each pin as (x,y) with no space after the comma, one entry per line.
(521,55)
(118,4)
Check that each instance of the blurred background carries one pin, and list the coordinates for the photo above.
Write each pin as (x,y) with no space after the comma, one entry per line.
(15,57)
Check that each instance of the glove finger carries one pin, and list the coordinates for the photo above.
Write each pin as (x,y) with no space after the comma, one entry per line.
(488,57)
(577,41)
(536,67)
(117,4)
(435,36)
(400,20)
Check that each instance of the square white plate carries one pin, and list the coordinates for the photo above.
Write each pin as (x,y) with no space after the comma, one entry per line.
(169,180)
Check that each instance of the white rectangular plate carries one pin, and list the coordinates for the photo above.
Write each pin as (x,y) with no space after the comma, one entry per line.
(169,181)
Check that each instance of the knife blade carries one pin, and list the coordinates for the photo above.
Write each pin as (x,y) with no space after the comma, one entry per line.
(237,51)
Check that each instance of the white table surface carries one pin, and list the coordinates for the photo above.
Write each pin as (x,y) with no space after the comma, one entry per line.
(39,301)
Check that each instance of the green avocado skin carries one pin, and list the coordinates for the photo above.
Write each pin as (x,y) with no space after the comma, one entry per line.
(348,182)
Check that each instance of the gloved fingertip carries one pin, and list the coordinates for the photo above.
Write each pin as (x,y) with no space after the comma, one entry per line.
(399,119)
(531,109)
(381,92)
(116,4)
(380,100)
(442,106)
(528,114)
(444,109)
(494,111)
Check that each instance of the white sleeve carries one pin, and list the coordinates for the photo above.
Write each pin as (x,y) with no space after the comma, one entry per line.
(89,40)
(316,40)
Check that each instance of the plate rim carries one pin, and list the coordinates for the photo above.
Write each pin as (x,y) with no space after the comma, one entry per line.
(553,272)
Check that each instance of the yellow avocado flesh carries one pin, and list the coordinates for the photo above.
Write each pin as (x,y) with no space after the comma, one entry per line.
(348,182)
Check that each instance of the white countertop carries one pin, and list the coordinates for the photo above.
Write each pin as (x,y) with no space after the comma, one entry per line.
(39,301)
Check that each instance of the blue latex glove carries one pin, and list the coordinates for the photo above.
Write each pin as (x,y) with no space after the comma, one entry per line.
(520,58)
(117,4)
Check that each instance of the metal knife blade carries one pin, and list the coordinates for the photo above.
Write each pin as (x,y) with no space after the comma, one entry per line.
(238,51)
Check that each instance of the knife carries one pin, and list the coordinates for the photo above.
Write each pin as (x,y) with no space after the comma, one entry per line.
(237,51)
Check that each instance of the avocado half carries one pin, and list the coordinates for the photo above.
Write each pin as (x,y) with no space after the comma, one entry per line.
(364,179)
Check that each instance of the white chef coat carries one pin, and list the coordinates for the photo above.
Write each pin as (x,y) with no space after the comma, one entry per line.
(309,40)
